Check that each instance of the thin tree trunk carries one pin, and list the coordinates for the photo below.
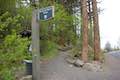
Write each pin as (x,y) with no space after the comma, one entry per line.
(90,23)
(96,32)
(84,31)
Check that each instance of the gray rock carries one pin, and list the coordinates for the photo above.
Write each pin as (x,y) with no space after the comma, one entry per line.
(79,63)
(70,65)
(87,66)
(70,60)
(92,67)
(28,77)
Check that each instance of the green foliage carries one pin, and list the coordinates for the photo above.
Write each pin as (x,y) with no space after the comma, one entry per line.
(26,12)
(6,74)
(14,49)
(64,25)
(44,3)
(8,23)
(13,52)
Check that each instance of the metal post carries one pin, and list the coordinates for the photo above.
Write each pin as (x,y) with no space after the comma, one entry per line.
(35,46)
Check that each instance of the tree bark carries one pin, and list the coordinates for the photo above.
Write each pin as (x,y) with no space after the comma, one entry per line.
(96,32)
(84,30)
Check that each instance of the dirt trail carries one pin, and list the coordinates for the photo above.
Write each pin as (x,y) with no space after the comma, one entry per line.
(58,69)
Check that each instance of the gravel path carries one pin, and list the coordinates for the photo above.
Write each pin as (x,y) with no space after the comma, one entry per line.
(59,69)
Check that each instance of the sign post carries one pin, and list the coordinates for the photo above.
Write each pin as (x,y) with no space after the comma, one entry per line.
(42,14)
(35,44)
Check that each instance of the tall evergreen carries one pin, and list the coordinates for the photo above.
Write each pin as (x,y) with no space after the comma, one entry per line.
(96,32)
(84,31)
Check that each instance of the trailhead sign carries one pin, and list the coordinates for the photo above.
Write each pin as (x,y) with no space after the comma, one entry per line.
(46,13)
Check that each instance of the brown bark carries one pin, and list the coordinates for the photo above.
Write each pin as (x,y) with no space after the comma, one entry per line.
(84,30)
(96,32)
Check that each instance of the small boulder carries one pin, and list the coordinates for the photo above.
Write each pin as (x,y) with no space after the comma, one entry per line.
(79,63)
(70,65)
(70,60)
(28,77)
(87,66)
(92,67)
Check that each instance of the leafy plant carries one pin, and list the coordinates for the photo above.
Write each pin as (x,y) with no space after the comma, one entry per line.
(6,74)
(13,52)
(8,23)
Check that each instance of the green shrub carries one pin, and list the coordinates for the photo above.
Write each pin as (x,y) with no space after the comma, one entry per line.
(6,74)
(13,52)
(8,23)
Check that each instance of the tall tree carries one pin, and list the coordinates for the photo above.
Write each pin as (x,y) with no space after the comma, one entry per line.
(84,31)
(90,18)
(96,32)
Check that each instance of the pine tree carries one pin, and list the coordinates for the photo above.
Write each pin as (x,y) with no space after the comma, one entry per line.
(96,32)
(84,31)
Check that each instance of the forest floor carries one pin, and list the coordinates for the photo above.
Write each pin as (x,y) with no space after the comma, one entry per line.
(59,69)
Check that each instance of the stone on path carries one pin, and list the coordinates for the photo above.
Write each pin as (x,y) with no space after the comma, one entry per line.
(28,77)
(70,65)
(79,63)
(94,66)
(70,60)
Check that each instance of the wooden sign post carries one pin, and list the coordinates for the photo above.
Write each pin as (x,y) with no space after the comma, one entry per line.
(35,44)
(37,15)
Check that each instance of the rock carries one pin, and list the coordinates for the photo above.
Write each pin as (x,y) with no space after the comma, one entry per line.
(28,77)
(95,67)
(87,66)
(70,60)
(70,65)
(98,65)
(79,63)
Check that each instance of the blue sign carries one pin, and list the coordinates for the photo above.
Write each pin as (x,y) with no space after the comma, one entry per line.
(46,13)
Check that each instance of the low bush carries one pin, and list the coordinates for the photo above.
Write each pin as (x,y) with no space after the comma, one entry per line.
(13,52)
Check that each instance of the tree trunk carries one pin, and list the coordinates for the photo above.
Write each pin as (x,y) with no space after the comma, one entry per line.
(96,32)
(90,18)
(84,31)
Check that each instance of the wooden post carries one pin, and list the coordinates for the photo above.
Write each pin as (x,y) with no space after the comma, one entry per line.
(35,46)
